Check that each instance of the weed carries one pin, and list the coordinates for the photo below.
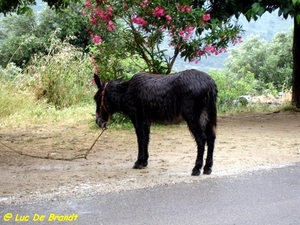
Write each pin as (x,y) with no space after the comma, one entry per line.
(63,77)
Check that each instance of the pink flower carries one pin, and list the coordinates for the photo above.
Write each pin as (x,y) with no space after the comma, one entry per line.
(185,8)
(109,10)
(171,34)
(168,17)
(194,60)
(237,40)
(145,4)
(211,49)
(206,17)
(110,26)
(199,53)
(96,39)
(181,33)
(96,70)
(189,29)
(221,50)
(139,21)
(158,11)
(88,4)
(102,15)
(93,19)
(92,81)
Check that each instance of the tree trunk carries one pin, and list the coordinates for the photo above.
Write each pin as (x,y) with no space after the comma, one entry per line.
(296,65)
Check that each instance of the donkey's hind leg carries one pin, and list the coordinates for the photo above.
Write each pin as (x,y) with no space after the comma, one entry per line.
(210,137)
(200,139)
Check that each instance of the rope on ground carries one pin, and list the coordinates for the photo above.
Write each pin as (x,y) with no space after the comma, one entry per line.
(81,156)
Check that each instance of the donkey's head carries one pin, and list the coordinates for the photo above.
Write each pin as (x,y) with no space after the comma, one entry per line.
(102,113)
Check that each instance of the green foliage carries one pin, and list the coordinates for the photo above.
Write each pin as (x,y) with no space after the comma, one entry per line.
(69,21)
(232,85)
(23,36)
(63,77)
(17,44)
(22,7)
(17,6)
(112,59)
(120,121)
(271,63)
(114,63)
(285,8)
(10,73)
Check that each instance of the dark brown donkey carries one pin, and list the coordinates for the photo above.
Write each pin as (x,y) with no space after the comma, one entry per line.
(147,98)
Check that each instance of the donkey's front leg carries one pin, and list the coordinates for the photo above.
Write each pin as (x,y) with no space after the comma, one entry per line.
(142,132)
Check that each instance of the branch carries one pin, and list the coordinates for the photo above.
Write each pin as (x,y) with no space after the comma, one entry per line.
(141,49)
(173,59)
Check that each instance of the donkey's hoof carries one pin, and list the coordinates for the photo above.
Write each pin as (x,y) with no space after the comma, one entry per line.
(140,165)
(207,171)
(195,172)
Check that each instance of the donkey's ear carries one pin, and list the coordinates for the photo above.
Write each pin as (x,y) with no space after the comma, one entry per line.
(97,81)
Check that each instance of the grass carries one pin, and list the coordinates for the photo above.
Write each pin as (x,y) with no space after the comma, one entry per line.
(12,100)
(251,108)
(22,109)
(290,107)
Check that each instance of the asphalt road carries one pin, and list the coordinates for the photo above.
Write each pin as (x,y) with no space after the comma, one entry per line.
(263,197)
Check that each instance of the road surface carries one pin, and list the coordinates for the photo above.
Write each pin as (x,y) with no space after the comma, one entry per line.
(269,196)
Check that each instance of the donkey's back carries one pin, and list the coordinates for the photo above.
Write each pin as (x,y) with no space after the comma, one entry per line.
(184,82)
(166,98)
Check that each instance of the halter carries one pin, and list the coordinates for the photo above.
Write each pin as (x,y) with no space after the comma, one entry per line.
(102,105)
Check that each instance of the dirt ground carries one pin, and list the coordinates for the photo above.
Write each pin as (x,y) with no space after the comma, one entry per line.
(244,142)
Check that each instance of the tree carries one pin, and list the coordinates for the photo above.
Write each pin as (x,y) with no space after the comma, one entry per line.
(24,35)
(253,9)
(22,6)
(285,9)
(191,31)
(220,9)
(270,62)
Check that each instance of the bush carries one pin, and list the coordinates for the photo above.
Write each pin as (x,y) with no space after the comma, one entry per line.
(271,63)
(63,77)
(22,36)
(18,43)
(12,97)
(232,85)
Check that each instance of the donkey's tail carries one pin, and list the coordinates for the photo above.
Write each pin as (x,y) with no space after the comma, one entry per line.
(213,106)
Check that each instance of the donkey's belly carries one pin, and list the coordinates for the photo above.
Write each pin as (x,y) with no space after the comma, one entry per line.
(168,121)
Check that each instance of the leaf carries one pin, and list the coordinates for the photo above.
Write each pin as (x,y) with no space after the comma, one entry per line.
(25,10)
(295,2)
(257,9)
(298,19)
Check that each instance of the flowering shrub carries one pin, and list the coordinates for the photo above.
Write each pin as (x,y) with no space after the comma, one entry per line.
(191,30)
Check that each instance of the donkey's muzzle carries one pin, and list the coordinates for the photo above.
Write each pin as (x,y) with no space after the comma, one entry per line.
(101,123)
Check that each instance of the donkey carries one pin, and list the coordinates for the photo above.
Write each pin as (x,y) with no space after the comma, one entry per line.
(152,98)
